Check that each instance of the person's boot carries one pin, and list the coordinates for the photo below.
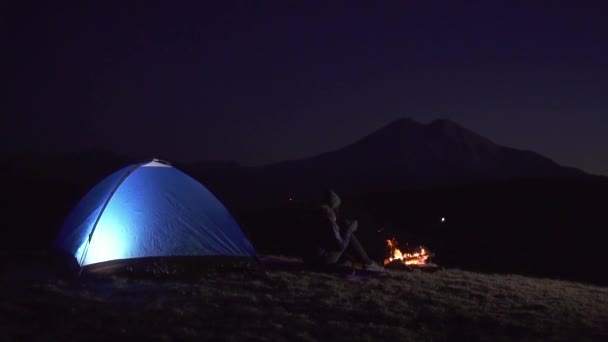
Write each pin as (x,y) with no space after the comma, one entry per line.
(374,267)
(346,264)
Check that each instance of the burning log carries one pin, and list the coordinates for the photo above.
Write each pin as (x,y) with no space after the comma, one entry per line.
(417,259)
(397,264)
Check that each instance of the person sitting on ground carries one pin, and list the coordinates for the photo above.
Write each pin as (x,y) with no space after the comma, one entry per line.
(332,245)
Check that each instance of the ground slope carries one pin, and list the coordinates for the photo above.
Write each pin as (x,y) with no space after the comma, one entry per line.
(303,305)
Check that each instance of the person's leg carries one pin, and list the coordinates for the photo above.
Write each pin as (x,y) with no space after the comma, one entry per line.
(358,250)
(370,265)
(333,257)
(354,248)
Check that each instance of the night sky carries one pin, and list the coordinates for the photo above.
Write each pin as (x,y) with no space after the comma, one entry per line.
(265,81)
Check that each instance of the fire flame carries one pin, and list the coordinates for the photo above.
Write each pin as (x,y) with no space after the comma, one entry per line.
(418,257)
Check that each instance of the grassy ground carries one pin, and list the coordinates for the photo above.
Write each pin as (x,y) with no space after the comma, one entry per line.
(303,305)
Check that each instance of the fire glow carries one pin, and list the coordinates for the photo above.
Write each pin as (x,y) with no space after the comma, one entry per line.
(417,257)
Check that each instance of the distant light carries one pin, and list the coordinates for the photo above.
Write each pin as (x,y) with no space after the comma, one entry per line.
(443,219)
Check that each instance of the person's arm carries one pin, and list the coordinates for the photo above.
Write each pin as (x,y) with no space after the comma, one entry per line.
(340,242)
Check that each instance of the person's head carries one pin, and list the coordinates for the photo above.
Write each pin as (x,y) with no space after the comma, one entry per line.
(331,199)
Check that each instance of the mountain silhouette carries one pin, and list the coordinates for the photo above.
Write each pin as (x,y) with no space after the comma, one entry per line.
(413,152)
(400,155)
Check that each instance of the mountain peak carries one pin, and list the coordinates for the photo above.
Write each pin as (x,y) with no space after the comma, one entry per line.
(414,131)
(443,123)
(440,125)
(400,126)
(404,121)
(452,130)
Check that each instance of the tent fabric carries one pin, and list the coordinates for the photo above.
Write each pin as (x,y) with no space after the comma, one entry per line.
(150,210)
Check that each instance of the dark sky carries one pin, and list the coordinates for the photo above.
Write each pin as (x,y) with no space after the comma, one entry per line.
(266,81)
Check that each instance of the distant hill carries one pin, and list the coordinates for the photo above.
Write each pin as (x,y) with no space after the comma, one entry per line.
(404,154)
(401,155)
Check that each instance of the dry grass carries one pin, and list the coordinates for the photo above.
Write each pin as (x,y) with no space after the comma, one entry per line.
(305,306)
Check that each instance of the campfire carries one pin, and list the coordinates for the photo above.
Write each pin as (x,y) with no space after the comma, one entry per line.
(418,256)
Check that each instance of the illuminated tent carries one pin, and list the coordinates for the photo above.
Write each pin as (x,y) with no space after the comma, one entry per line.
(150,210)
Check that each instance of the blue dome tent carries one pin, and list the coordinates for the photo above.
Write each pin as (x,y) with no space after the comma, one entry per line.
(150,210)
